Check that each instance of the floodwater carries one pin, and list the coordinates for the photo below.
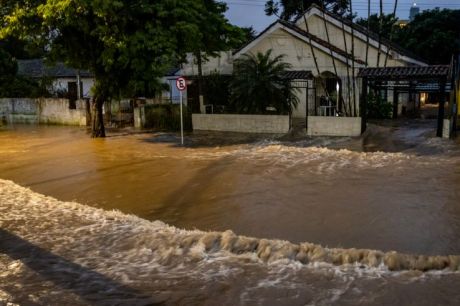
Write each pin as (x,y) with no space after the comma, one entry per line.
(395,189)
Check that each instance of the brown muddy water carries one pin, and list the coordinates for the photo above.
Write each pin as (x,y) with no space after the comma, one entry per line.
(397,188)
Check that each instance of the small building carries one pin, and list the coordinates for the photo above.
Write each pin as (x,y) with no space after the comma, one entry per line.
(65,82)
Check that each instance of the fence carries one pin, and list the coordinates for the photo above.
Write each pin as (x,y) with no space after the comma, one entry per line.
(162,117)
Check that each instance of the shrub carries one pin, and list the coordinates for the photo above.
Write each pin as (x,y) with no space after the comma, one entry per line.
(378,108)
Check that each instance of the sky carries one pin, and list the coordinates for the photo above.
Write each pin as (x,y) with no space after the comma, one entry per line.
(251,12)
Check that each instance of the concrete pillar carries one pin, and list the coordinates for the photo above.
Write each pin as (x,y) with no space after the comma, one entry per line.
(202,107)
(446,129)
(139,117)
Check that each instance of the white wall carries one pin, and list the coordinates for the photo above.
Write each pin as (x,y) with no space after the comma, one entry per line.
(241,123)
(334,28)
(333,126)
(61,84)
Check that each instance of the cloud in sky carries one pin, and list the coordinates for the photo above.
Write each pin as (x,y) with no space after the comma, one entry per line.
(251,12)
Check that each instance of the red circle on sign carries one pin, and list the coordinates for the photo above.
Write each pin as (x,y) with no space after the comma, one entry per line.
(181,83)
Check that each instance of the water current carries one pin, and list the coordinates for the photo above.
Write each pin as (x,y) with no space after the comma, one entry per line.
(346,221)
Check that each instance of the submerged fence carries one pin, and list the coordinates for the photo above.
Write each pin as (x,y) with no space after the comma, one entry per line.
(166,117)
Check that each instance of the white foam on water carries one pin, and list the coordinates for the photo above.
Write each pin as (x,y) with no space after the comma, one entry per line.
(60,226)
(315,159)
(135,251)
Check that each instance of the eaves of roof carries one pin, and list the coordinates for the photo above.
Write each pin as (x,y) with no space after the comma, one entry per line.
(405,73)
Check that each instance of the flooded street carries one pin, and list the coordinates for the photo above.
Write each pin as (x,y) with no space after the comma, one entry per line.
(395,189)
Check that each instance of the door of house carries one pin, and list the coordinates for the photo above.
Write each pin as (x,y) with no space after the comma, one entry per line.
(72,94)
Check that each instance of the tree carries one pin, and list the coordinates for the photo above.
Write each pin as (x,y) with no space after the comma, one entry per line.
(291,9)
(127,45)
(215,34)
(388,24)
(249,34)
(14,86)
(433,35)
(258,85)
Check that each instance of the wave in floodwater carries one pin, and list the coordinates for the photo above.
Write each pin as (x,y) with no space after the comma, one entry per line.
(97,238)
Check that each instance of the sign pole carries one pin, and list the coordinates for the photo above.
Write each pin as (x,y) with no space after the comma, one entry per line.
(181,121)
(181,84)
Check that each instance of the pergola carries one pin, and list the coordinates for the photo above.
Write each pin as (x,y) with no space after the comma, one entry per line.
(412,79)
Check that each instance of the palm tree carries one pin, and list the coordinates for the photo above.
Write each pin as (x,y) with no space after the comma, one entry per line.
(258,85)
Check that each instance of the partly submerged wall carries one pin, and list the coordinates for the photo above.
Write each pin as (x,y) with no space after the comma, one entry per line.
(45,111)
(241,123)
(333,126)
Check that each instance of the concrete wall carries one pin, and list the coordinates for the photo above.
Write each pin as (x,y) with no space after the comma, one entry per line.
(333,126)
(56,111)
(241,123)
(45,111)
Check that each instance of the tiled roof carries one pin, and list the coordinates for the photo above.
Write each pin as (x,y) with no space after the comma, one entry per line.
(320,41)
(411,72)
(36,68)
(298,75)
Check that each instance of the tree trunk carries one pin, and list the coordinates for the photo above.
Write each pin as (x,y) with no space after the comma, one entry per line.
(368,30)
(200,81)
(349,112)
(98,129)
(391,36)
(353,60)
(380,33)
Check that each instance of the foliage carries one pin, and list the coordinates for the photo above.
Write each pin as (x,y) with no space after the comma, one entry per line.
(291,9)
(249,34)
(167,117)
(127,45)
(14,86)
(21,49)
(378,108)
(258,85)
(215,33)
(388,24)
(433,35)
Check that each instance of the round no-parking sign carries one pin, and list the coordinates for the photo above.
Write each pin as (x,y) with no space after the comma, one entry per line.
(181,83)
